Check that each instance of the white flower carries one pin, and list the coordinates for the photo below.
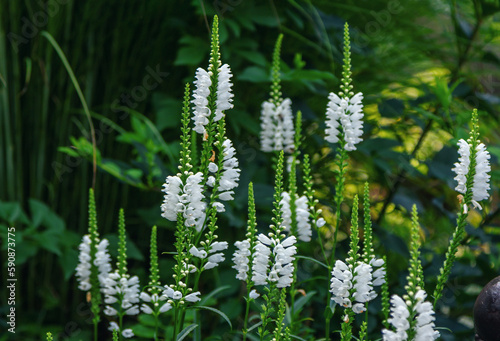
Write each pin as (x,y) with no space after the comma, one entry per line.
(348,113)
(218,246)
(193,297)
(123,290)
(254,294)
(320,222)
(113,326)
(224,95)
(127,333)
(241,259)
(277,130)
(186,199)
(480,184)
(197,253)
(200,101)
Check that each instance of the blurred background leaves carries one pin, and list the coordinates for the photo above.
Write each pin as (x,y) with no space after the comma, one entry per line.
(422,66)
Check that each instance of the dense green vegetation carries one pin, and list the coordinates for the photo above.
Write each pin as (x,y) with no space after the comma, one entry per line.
(421,65)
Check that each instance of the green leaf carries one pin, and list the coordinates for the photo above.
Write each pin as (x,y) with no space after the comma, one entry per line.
(68,262)
(182,335)
(12,213)
(391,108)
(193,52)
(312,260)
(299,304)
(254,74)
(213,293)
(220,313)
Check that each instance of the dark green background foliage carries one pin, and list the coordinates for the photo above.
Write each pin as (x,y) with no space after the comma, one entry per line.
(422,66)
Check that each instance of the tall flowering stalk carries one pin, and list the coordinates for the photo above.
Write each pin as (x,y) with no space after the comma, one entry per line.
(154,303)
(473,184)
(352,281)
(273,262)
(412,317)
(277,130)
(244,256)
(121,290)
(345,127)
(195,195)
(94,264)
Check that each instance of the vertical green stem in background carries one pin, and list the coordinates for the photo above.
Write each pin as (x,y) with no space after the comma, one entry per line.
(72,76)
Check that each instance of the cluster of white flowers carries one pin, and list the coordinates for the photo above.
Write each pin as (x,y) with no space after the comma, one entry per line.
(202,91)
(102,261)
(229,177)
(480,184)
(424,327)
(304,231)
(281,270)
(124,290)
(241,259)
(175,295)
(352,288)
(277,130)
(186,199)
(214,257)
(348,113)
(153,303)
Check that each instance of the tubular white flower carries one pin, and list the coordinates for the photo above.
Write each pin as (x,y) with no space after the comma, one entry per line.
(187,199)
(218,246)
(241,259)
(197,253)
(128,333)
(481,180)
(200,101)
(347,112)
(193,297)
(254,294)
(224,95)
(277,130)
